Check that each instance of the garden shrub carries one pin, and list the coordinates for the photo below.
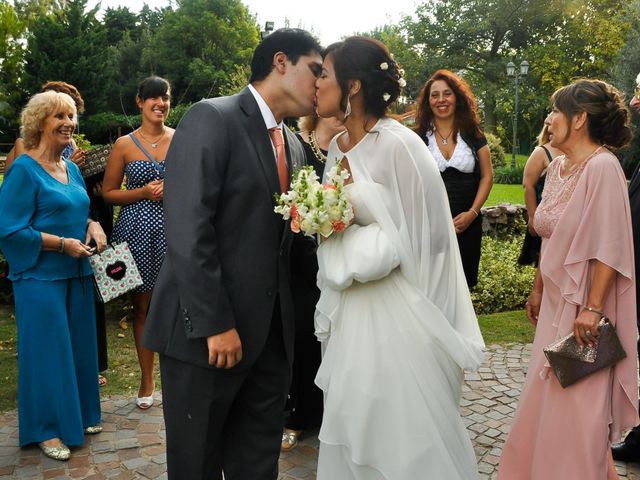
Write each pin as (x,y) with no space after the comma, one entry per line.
(503,285)
(498,156)
(508,175)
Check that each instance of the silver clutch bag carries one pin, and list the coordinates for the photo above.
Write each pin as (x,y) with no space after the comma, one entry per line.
(571,363)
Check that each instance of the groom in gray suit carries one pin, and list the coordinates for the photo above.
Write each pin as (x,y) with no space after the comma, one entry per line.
(221,314)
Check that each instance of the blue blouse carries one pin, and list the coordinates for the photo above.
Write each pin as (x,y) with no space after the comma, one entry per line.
(31,202)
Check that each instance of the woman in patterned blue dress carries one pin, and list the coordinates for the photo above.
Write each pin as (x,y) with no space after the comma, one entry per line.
(44,233)
(139,157)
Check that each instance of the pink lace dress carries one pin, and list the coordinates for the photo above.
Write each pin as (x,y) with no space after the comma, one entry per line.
(564,433)
(555,196)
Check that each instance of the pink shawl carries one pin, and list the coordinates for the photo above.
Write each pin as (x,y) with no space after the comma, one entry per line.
(596,225)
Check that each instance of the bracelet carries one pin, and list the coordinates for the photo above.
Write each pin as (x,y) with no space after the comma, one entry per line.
(474,211)
(61,247)
(593,310)
(536,292)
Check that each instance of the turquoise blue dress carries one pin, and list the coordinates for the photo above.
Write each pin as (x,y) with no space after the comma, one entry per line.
(57,356)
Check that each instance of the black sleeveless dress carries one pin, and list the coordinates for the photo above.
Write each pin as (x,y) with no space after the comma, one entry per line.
(462,189)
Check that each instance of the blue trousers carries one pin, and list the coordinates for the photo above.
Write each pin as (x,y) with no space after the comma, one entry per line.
(58,393)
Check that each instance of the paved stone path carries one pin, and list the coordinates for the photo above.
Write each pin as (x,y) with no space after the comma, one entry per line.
(132,443)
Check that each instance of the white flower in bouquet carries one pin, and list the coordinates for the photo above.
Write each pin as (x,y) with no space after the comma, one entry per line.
(316,208)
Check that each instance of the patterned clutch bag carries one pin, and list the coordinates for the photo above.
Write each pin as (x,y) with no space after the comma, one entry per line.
(114,271)
(571,363)
(95,160)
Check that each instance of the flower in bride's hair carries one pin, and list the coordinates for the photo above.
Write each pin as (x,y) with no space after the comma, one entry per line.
(384,66)
(402,82)
(386,96)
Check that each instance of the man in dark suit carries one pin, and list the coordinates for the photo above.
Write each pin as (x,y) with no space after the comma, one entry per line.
(629,450)
(221,314)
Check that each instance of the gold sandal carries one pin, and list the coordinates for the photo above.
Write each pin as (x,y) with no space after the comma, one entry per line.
(290,440)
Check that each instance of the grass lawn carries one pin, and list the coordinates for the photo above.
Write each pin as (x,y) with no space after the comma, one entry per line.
(501,193)
(123,373)
(506,327)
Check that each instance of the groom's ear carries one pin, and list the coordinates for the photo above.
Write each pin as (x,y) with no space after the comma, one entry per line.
(279,62)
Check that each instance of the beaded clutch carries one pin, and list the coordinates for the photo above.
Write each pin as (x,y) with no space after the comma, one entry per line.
(571,363)
(95,160)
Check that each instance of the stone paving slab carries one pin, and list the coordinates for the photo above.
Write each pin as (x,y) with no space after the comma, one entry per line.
(131,445)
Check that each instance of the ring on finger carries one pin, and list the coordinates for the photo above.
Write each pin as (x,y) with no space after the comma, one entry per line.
(588,334)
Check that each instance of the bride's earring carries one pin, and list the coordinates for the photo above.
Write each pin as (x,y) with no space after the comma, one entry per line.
(347,110)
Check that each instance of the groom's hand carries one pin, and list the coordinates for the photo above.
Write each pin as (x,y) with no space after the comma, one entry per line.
(225,349)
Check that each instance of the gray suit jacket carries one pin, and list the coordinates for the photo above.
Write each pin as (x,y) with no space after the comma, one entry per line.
(227,251)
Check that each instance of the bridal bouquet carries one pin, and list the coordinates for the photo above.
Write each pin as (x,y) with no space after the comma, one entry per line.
(314,207)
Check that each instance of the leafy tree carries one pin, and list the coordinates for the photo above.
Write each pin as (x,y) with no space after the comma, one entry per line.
(31,10)
(625,72)
(561,39)
(70,45)
(478,38)
(200,44)
(119,21)
(11,61)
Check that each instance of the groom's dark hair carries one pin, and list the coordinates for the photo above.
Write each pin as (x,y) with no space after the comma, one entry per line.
(293,42)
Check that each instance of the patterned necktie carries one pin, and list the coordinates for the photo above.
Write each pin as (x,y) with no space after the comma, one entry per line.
(283,171)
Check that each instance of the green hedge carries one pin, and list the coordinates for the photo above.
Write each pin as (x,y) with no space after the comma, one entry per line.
(498,157)
(503,285)
(508,175)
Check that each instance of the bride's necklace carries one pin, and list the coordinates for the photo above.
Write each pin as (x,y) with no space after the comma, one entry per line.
(315,148)
(154,143)
(445,140)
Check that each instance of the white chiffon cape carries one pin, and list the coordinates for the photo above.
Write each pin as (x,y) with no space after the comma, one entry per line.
(396,321)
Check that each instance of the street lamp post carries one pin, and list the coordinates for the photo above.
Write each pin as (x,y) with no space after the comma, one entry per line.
(513,74)
(268,28)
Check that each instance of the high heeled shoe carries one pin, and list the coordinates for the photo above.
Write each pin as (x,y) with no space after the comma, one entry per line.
(61,452)
(144,403)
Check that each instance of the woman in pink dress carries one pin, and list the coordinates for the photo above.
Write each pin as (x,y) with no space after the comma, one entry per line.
(586,269)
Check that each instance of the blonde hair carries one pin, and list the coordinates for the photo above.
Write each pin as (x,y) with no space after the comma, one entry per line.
(39,107)
(543,136)
(308,122)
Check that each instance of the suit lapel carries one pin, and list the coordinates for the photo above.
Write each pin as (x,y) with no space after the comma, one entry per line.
(256,132)
(635,181)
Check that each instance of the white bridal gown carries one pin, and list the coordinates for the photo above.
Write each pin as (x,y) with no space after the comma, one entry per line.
(396,322)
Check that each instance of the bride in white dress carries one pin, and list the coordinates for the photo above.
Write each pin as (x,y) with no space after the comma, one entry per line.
(394,316)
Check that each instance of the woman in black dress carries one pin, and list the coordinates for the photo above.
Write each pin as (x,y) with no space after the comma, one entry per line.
(533,178)
(304,406)
(447,120)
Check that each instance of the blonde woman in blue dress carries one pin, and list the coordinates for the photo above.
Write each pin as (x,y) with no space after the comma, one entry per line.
(45,231)
(395,316)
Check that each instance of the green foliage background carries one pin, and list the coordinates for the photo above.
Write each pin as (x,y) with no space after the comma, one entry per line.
(503,285)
